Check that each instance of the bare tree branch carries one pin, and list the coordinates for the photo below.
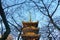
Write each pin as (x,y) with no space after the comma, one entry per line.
(14,26)
(38,8)
(50,4)
(16,22)
(46,8)
(14,5)
(55,9)
(54,24)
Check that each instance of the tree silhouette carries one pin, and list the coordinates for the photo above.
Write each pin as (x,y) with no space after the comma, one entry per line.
(7,32)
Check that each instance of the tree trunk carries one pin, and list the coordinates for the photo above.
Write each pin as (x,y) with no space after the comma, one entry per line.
(7,32)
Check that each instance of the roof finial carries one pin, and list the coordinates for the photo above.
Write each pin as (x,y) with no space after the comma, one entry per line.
(30,16)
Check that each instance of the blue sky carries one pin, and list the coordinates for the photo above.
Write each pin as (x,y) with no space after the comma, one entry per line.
(26,8)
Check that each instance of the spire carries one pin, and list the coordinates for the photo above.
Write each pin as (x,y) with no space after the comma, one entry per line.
(30,16)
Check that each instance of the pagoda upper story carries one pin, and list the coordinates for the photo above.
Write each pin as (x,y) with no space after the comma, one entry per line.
(30,30)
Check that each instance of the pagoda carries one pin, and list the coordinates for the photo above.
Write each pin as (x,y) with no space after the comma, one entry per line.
(30,30)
